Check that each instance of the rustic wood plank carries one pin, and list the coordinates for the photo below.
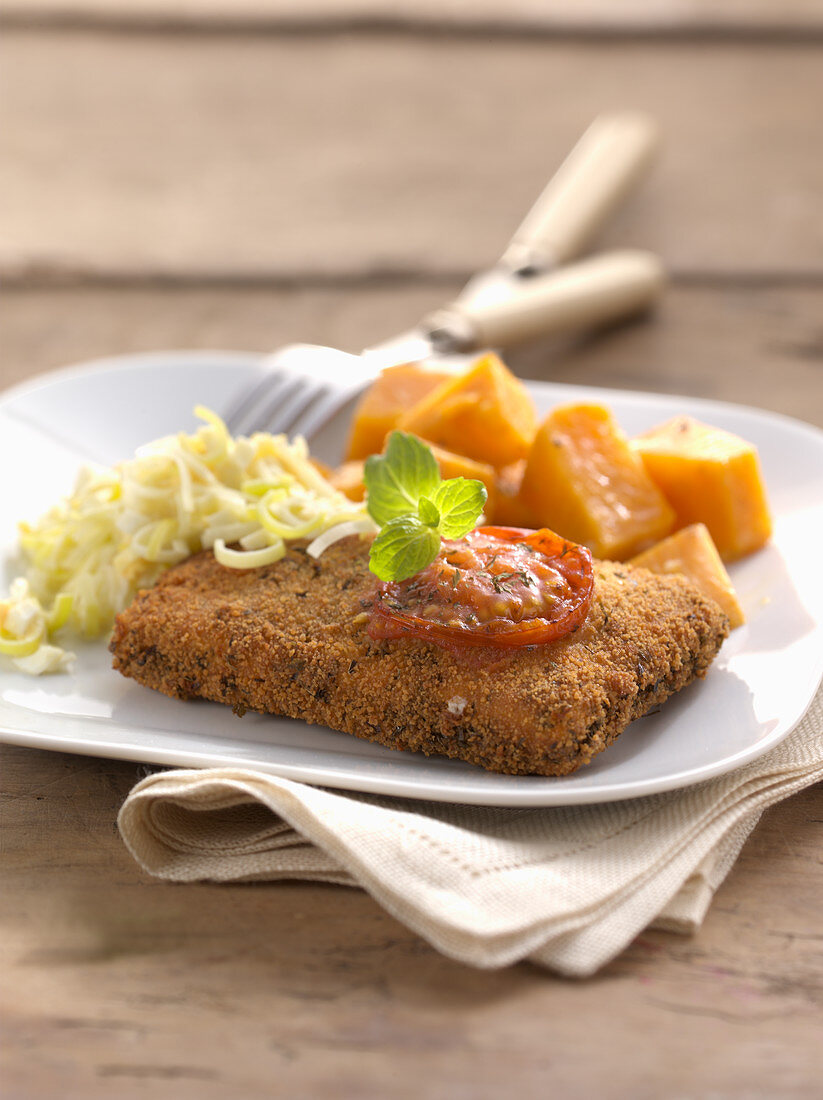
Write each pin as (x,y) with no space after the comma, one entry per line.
(204,157)
(113,982)
(761,346)
(549,16)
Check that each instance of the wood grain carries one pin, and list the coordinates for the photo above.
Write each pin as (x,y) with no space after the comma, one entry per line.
(220,157)
(761,346)
(114,983)
(649,17)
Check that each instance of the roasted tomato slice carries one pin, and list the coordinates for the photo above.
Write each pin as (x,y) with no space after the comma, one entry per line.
(497,586)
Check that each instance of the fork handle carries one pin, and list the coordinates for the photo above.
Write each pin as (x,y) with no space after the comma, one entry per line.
(590,292)
(595,176)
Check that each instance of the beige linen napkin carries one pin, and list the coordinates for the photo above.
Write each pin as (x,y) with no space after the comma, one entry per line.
(568,887)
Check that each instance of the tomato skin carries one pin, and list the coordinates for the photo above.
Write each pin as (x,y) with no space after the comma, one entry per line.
(510,587)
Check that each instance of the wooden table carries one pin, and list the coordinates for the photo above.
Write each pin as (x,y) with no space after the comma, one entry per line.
(241,178)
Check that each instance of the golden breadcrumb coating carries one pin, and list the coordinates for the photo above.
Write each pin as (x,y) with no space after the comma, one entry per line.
(290,639)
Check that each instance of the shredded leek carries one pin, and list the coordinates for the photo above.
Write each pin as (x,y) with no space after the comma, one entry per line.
(24,629)
(121,528)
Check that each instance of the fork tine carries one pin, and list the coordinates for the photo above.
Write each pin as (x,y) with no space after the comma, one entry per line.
(322,410)
(237,415)
(294,380)
(272,415)
(262,403)
(283,417)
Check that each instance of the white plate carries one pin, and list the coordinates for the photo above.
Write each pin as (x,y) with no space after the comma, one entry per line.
(754,695)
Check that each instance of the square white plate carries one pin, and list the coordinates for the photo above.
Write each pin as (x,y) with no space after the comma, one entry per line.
(755,693)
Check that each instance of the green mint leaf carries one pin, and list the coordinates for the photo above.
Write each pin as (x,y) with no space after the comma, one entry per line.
(396,480)
(403,547)
(427,512)
(414,507)
(459,501)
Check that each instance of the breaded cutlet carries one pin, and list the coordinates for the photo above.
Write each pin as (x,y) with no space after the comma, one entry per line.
(290,639)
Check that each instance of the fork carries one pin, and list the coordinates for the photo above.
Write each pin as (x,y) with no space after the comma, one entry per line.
(303,386)
(301,389)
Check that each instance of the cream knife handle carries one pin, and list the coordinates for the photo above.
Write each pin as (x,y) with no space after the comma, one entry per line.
(592,180)
(587,293)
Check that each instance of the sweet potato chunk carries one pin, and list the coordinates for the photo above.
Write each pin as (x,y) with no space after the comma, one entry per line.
(348,478)
(709,476)
(509,509)
(454,465)
(392,393)
(485,413)
(583,480)
(692,553)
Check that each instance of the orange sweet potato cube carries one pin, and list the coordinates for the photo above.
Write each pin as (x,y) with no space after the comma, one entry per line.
(509,509)
(348,478)
(691,552)
(454,465)
(486,413)
(393,392)
(709,476)
(583,480)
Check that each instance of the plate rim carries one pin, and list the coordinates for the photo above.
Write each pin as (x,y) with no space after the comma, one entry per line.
(107,364)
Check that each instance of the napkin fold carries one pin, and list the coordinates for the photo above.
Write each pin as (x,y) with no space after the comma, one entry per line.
(567,887)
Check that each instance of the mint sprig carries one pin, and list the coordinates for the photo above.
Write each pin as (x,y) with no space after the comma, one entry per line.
(403,547)
(398,479)
(414,507)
